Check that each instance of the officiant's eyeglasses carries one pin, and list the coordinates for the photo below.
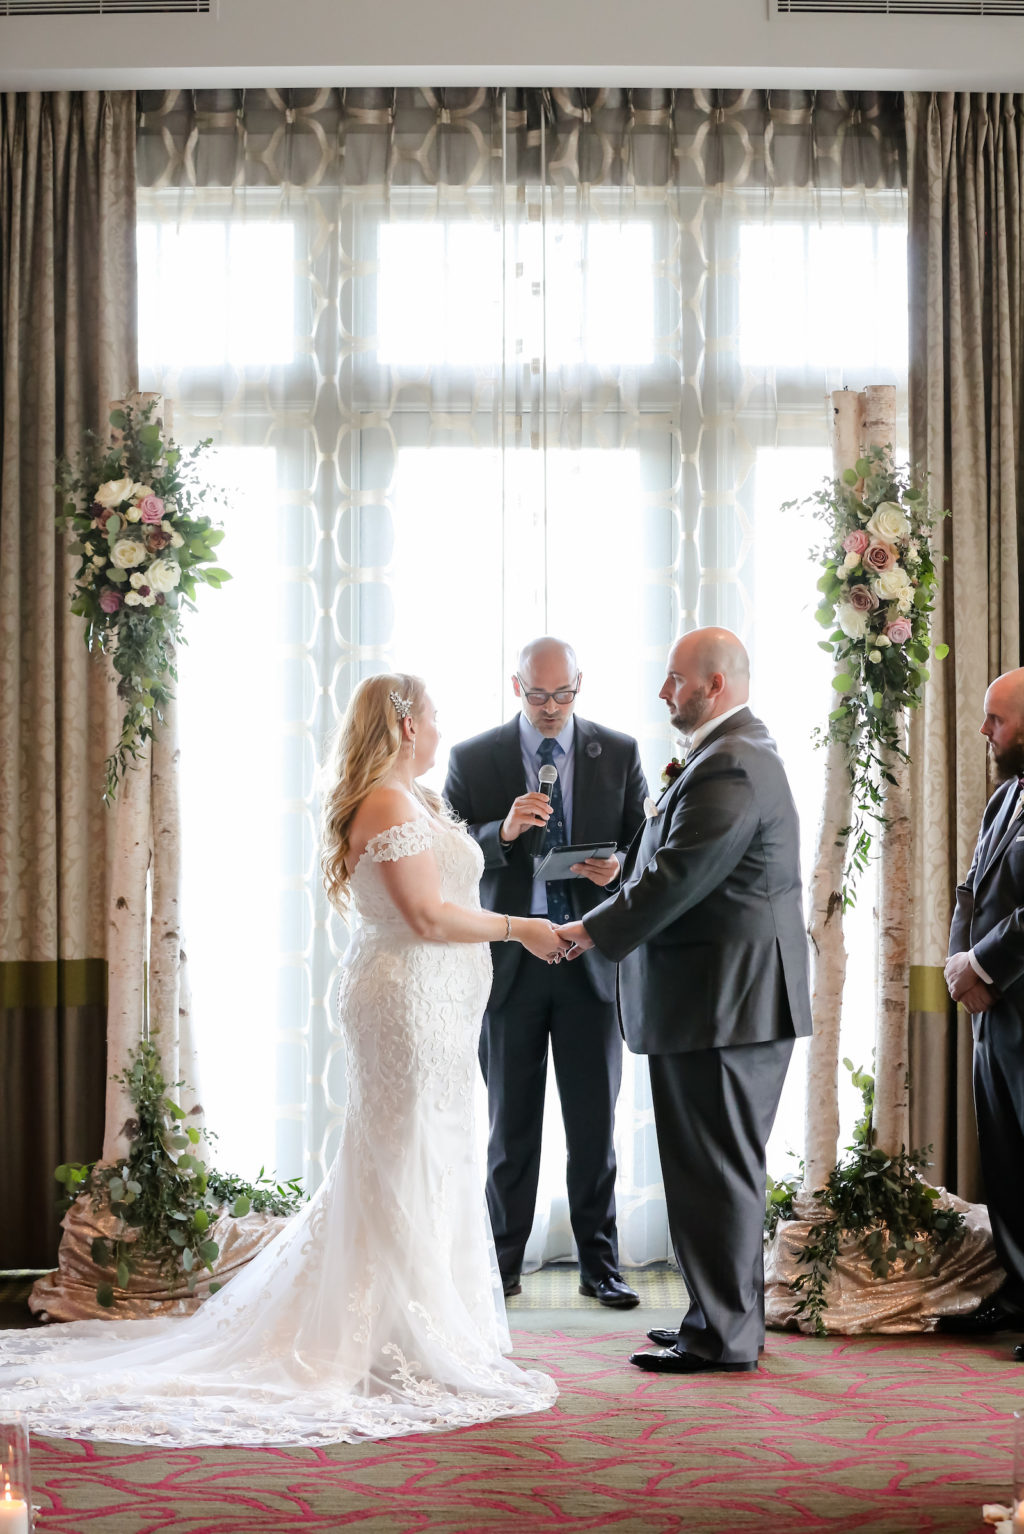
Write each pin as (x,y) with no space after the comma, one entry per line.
(536,697)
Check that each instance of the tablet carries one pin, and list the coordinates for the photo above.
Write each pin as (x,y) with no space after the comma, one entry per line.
(560,859)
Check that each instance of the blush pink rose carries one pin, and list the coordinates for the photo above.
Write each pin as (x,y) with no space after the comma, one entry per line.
(880,556)
(899,630)
(151,508)
(856,542)
(110,600)
(156,539)
(862,598)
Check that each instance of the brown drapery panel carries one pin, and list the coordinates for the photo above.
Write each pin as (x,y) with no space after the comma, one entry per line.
(67,346)
(965,176)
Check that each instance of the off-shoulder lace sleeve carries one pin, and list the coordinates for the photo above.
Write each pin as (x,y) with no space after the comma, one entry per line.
(401,841)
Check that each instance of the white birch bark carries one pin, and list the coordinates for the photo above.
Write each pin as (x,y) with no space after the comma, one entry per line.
(825,926)
(892,980)
(165,920)
(126,945)
(892,911)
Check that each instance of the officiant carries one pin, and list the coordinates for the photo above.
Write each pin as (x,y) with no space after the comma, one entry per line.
(596,797)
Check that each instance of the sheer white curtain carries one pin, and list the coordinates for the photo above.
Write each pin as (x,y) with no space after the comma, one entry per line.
(481,365)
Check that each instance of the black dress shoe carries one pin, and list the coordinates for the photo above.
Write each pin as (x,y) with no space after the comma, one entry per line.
(671,1361)
(669,1339)
(511,1284)
(1018,1352)
(610,1290)
(992,1315)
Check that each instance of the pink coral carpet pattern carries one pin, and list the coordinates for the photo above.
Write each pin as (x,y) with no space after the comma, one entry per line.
(888,1435)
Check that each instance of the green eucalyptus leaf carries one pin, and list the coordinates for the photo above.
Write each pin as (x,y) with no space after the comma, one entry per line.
(941,651)
(105,1295)
(99,1251)
(842,683)
(850,476)
(187,1259)
(123,1274)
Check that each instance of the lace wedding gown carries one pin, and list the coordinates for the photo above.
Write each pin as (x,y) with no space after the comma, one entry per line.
(378,1309)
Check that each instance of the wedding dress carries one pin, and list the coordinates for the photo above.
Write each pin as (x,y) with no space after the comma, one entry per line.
(378,1310)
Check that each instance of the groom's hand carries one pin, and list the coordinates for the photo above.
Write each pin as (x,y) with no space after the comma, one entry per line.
(575,933)
(598,870)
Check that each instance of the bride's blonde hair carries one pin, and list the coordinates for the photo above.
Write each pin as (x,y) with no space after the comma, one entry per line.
(360,756)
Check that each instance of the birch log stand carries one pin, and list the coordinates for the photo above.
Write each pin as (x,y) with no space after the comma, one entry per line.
(962,1277)
(146,871)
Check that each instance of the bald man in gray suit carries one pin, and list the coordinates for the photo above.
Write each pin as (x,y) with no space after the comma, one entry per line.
(708,931)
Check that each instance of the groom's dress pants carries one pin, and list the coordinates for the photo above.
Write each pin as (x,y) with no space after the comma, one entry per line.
(714,1110)
(552,1006)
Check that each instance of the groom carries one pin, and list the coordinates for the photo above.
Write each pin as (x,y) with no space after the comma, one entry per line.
(708,931)
(598,797)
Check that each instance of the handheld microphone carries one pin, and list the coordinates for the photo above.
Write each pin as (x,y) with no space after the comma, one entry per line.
(548,778)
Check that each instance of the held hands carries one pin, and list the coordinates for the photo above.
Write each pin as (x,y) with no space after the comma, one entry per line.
(574,934)
(539,937)
(527,811)
(598,870)
(966,986)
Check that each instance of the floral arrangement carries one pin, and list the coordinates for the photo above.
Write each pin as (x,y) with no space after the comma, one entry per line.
(671,770)
(134,510)
(163,1194)
(878,589)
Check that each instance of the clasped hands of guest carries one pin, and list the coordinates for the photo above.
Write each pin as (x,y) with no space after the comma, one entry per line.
(966,986)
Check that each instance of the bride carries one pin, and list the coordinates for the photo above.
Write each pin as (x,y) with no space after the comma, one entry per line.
(378,1310)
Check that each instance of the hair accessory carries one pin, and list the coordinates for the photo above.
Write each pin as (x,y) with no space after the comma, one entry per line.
(403,706)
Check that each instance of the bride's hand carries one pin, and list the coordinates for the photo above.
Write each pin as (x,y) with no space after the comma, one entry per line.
(539,937)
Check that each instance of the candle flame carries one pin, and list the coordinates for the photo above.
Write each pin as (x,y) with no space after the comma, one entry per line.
(7,1487)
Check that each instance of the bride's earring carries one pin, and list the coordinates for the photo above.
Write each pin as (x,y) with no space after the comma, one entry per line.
(414,748)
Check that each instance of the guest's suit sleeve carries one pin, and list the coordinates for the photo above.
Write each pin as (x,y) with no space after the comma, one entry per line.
(711,825)
(459,795)
(960,929)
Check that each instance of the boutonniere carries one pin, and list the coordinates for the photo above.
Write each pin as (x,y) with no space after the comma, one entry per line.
(651,810)
(671,771)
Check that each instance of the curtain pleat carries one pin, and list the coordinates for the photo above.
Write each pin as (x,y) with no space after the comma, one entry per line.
(67,347)
(964,179)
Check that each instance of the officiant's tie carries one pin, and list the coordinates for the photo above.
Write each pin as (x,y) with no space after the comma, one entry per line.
(559,904)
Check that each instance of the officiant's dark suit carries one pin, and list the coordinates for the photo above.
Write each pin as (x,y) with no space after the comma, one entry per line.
(988,922)
(532,1003)
(708,931)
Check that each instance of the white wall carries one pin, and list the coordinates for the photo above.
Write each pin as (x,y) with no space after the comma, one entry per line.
(515,42)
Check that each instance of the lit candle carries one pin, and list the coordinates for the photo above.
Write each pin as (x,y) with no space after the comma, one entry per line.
(13,1511)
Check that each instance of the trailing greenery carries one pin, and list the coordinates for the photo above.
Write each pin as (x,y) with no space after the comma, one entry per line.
(135,514)
(883,1200)
(878,590)
(778,1202)
(163,1194)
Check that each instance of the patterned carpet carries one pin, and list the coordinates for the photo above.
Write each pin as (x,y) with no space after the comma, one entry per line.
(891,1436)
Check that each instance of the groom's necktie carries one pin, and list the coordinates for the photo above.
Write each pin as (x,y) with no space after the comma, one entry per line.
(559,904)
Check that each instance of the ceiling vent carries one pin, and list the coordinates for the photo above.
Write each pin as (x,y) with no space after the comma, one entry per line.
(107,7)
(897,7)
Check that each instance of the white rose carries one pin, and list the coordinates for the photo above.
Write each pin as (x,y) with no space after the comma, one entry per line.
(875,655)
(99,560)
(148,601)
(854,624)
(913,554)
(127,553)
(905,600)
(890,583)
(139,492)
(888,524)
(113,492)
(849,564)
(163,574)
(132,599)
(132,514)
(138,578)
(882,641)
(176,540)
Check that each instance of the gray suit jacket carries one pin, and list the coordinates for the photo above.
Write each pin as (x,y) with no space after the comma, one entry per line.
(708,926)
(608,789)
(989,913)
